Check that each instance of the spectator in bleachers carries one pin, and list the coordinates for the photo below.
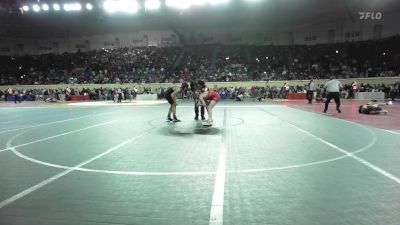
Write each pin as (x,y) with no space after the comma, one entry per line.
(209,62)
(16,96)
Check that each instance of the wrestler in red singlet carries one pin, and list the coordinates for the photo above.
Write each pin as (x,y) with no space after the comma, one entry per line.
(212,99)
(212,95)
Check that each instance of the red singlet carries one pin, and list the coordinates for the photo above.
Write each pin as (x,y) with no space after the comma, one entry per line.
(212,95)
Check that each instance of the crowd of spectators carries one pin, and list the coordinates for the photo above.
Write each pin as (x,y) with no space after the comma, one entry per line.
(373,58)
(65,94)
(238,93)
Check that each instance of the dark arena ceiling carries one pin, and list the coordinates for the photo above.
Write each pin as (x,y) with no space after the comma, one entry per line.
(264,14)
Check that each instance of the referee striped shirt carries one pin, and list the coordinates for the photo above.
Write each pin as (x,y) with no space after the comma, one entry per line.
(333,86)
(312,86)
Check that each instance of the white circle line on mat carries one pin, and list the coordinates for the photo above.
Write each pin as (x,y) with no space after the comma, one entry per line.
(139,173)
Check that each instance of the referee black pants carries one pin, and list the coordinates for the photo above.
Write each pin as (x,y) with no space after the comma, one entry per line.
(310,95)
(336,97)
(16,98)
(196,110)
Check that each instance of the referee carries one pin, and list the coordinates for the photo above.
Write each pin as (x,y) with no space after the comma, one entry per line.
(194,88)
(312,87)
(333,87)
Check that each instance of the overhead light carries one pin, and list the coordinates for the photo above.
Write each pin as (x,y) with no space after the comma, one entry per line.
(45,7)
(72,7)
(110,6)
(67,7)
(179,4)
(89,6)
(76,7)
(127,6)
(199,2)
(56,7)
(152,4)
(36,8)
(184,4)
(216,2)
(25,8)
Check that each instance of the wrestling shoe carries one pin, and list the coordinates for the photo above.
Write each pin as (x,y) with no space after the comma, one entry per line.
(207,122)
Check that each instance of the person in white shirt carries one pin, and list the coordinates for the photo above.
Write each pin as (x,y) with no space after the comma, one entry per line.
(312,87)
(119,92)
(332,87)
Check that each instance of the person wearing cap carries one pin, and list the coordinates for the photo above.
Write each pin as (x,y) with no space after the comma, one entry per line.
(332,87)
(170,95)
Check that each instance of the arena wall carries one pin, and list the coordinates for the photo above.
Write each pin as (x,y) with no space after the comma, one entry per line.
(23,46)
(315,32)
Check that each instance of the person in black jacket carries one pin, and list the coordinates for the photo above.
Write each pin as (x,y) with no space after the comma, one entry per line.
(194,87)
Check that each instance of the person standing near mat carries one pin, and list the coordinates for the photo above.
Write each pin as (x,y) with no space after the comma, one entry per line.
(170,95)
(195,87)
(332,87)
(209,98)
(16,96)
(312,87)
